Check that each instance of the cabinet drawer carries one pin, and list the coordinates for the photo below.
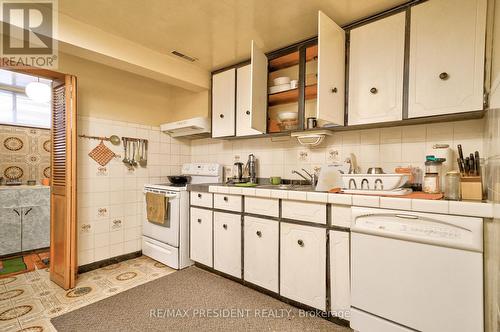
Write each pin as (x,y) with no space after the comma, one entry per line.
(305,211)
(201,199)
(339,274)
(227,243)
(303,264)
(263,206)
(227,202)
(201,236)
(261,252)
(341,215)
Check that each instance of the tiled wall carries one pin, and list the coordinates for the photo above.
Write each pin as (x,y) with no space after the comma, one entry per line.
(386,147)
(24,153)
(110,198)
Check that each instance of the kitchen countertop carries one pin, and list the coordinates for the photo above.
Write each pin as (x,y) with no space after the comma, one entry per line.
(306,193)
(24,186)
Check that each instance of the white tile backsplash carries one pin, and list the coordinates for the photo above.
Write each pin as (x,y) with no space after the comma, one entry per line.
(110,198)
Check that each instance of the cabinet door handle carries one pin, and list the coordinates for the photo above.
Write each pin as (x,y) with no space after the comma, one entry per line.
(221,116)
(247,112)
(259,233)
(199,195)
(28,211)
(199,221)
(225,199)
(17,212)
(300,243)
(444,76)
(334,90)
(373,90)
(224,226)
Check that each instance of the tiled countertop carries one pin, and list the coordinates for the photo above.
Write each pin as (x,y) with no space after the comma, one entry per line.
(23,186)
(464,208)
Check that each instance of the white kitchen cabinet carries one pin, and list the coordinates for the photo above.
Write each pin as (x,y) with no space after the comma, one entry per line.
(376,69)
(227,243)
(223,103)
(251,95)
(261,252)
(331,71)
(341,215)
(339,274)
(303,264)
(263,206)
(227,202)
(304,211)
(201,199)
(446,66)
(201,236)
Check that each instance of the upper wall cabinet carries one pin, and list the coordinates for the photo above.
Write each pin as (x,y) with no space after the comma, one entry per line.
(331,71)
(376,70)
(447,43)
(251,95)
(223,103)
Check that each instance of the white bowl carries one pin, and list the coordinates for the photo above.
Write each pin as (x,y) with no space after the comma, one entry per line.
(287,116)
(279,88)
(281,80)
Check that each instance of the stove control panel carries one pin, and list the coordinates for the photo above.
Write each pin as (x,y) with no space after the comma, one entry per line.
(205,169)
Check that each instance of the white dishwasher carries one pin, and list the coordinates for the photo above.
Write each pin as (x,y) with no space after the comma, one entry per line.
(416,272)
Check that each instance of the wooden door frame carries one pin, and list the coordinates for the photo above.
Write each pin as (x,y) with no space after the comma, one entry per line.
(60,78)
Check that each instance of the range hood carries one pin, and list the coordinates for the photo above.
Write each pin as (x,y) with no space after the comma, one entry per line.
(198,127)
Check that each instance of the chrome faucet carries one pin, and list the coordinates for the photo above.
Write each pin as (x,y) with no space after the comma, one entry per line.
(312,177)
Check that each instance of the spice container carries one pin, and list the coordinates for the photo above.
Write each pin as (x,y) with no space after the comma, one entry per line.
(432,183)
(452,189)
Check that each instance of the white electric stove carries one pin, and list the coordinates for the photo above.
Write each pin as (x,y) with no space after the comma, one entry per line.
(170,245)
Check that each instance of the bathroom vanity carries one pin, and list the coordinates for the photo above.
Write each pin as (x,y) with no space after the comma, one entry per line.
(24,218)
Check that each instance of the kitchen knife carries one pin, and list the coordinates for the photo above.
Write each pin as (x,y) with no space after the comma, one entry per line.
(478,163)
(460,152)
(472,163)
(460,166)
(466,166)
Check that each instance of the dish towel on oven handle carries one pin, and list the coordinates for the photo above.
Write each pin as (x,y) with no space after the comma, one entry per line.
(157,209)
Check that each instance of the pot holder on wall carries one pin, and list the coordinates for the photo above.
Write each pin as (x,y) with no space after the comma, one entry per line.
(102,154)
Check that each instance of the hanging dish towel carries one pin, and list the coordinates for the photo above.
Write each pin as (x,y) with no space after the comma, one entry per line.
(102,154)
(157,209)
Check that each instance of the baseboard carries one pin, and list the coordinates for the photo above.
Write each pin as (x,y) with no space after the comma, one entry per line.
(317,312)
(109,261)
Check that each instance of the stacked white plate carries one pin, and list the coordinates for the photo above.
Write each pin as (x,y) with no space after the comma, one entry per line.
(280,84)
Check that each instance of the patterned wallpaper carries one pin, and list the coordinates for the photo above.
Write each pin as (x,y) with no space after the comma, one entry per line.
(24,153)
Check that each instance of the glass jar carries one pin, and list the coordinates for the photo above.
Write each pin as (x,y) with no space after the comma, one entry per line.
(431,183)
(452,189)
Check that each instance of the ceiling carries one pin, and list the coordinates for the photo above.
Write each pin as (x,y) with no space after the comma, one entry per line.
(217,32)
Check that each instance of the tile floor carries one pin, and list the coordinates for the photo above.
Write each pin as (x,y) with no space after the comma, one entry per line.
(29,300)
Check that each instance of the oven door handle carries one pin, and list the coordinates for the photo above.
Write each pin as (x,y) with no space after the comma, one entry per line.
(166,195)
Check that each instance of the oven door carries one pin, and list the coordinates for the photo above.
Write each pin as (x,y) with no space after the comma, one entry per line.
(170,234)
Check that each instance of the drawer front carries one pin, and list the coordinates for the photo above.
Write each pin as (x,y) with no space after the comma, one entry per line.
(161,252)
(305,211)
(263,206)
(261,252)
(201,236)
(201,199)
(303,264)
(341,215)
(227,243)
(227,202)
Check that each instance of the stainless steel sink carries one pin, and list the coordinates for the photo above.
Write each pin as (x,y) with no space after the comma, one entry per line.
(287,187)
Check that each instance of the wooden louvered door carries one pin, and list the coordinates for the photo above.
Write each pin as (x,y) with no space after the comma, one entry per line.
(63,265)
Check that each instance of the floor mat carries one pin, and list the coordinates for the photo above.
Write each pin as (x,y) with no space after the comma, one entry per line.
(191,300)
(10,266)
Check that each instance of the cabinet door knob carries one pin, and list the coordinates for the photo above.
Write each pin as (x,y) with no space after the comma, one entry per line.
(199,195)
(300,243)
(199,221)
(225,199)
(224,226)
(259,233)
(247,112)
(221,116)
(373,90)
(334,90)
(444,76)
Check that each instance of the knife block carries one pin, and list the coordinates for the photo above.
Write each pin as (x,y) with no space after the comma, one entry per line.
(471,188)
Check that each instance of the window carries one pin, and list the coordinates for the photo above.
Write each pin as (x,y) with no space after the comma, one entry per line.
(15,107)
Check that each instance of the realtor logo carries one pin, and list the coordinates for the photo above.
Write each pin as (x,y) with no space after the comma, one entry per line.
(27,33)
